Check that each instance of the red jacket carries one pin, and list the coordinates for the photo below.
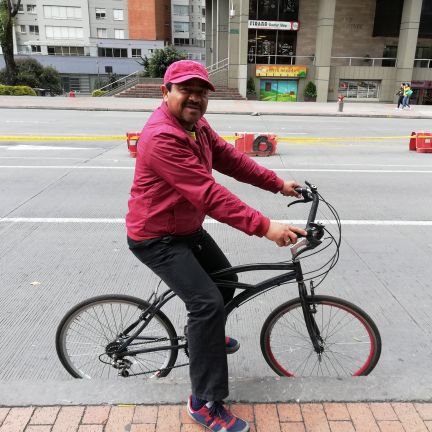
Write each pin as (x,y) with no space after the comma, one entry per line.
(173,188)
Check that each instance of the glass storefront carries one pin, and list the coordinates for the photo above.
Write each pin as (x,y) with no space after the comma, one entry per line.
(272,46)
(359,89)
(278,90)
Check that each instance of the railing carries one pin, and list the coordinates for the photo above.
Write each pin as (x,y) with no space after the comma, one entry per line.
(121,82)
(423,63)
(364,61)
(376,61)
(280,59)
(222,64)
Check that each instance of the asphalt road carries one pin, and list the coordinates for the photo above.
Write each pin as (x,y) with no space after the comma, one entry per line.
(63,239)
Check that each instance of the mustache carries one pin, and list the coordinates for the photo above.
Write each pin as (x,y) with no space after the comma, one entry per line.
(193,105)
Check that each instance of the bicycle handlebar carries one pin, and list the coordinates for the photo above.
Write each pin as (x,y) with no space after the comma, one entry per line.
(315,231)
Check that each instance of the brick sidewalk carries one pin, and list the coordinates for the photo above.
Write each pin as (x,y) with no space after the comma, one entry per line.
(326,417)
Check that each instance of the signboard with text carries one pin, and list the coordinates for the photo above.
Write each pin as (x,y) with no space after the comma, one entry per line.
(274,25)
(285,71)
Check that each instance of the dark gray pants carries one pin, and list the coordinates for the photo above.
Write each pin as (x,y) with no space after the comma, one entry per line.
(183,263)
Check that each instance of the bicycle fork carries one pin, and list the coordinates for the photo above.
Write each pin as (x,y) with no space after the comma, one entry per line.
(309,311)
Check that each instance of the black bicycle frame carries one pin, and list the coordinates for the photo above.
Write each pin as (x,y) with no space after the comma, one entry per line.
(249,291)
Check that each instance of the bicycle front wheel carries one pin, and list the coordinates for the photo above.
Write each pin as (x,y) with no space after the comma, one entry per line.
(92,328)
(350,340)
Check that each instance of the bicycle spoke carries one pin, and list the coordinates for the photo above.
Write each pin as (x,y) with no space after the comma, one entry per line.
(82,343)
(346,343)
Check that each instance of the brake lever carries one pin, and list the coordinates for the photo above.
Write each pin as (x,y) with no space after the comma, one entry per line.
(296,202)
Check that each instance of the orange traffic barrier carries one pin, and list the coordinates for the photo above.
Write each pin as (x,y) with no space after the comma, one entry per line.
(256,144)
(413,142)
(424,142)
(132,141)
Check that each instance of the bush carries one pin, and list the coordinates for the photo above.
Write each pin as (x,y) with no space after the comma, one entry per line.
(250,85)
(98,92)
(310,90)
(16,90)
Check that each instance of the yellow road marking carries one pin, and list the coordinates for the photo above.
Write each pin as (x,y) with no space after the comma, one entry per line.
(227,138)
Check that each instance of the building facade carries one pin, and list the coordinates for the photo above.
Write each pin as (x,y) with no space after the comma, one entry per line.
(360,50)
(188,25)
(89,40)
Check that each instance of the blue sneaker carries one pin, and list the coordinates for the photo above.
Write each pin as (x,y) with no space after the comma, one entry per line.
(217,418)
(231,345)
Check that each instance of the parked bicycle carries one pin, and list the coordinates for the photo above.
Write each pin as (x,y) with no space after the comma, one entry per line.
(311,335)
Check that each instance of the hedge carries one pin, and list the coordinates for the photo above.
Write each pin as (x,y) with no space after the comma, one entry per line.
(16,90)
(98,92)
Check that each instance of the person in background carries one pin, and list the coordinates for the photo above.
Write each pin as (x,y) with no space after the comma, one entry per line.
(172,191)
(407,94)
(400,95)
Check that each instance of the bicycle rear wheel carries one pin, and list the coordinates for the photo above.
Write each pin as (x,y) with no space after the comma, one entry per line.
(351,340)
(90,327)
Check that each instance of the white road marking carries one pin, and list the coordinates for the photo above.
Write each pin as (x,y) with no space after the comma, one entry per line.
(26,147)
(209,221)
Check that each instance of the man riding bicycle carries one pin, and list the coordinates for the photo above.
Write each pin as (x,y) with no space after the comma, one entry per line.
(172,192)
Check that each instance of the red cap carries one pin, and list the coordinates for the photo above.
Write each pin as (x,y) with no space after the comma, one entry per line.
(184,70)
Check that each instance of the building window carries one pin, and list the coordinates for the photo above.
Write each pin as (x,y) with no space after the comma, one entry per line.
(118,14)
(109,69)
(119,34)
(359,89)
(203,12)
(136,52)
(101,33)
(181,10)
(34,30)
(21,8)
(63,32)
(181,41)
(100,13)
(65,51)
(31,8)
(181,27)
(22,29)
(112,52)
(62,12)
(203,27)
(35,48)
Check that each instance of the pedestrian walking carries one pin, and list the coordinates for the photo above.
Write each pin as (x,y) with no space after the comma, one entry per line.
(400,95)
(407,94)
(173,190)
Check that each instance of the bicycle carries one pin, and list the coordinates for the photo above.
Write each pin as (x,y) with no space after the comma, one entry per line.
(311,335)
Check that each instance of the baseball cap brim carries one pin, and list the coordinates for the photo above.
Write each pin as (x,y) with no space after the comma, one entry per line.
(192,76)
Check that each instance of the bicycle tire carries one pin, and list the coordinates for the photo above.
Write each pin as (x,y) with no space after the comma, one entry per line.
(96,322)
(352,342)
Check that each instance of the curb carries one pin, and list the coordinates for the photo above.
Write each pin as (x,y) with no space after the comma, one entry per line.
(264,390)
(248,113)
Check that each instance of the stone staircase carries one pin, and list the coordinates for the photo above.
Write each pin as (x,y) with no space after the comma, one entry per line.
(153,91)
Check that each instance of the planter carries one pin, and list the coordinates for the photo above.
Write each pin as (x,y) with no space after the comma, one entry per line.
(310,98)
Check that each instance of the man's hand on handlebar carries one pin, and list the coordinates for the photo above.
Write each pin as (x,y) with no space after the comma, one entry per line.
(289,189)
(284,235)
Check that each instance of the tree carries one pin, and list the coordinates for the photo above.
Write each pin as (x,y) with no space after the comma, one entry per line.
(161,58)
(8,11)
(29,72)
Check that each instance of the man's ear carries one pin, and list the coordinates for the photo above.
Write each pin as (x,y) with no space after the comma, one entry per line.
(164,91)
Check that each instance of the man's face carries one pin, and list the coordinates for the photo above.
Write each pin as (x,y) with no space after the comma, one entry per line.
(187,101)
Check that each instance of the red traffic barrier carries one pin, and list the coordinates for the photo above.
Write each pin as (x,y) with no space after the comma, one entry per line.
(256,144)
(132,141)
(413,142)
(424,142)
